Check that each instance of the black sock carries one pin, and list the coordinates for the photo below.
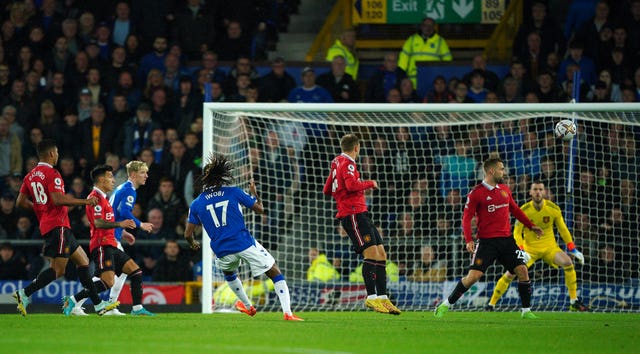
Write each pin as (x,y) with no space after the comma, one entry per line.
(85,279)
(524,289)
(369,275)
(136,286)
(457,292)
(43,279)
(381,277)
(98,284)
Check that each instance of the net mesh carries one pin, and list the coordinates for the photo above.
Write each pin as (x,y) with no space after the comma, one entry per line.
(425,164)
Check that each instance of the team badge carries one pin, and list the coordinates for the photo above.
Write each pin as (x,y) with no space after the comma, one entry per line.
(367,238)
(504,194)
(57,181)
(546,219)
(478,261)
(130,198)
(66,250)
(107,263)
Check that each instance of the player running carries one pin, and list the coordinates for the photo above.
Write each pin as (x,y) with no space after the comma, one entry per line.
(103,246)
(347,189)
(122,201)
(490,203)
(43,191)
(218,210)
(546,214)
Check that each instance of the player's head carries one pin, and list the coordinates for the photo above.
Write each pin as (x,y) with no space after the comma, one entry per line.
(217,172)
(48,151)
(493,169)
(350,143)
(537,191)
(102,177)
(137,172)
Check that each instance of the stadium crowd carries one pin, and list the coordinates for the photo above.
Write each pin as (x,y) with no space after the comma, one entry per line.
(112,81)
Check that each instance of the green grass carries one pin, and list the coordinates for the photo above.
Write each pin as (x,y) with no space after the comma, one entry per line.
(324,332)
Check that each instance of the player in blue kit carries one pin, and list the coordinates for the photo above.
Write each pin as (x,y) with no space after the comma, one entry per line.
(218,210)
(122,201)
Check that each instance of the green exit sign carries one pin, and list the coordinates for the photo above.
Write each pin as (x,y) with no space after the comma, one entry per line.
(413,11)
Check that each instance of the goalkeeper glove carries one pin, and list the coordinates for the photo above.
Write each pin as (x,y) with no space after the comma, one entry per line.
(577,255)
(526,257)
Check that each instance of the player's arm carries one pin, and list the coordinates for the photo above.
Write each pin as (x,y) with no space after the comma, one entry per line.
(328,185)
(125,210)
(104,224)
(257,206)
(517,234)
(523,218)
(188,235)
(568,240)
(353,184)
(469,211)
(23,201)
(67,200)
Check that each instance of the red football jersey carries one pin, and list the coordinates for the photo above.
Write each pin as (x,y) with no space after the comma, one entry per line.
(38,184)
(491,207)
(345,186)
(104,211)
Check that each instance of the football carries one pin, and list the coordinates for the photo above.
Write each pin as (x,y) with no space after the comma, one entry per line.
(566,129)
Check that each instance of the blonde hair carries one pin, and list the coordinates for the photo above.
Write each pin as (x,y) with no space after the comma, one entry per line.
(136,166)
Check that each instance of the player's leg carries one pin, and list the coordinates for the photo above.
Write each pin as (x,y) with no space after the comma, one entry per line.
(133,271)
(105,256)
(229,264)
(120,280)
(563,260)
(484,255)
(282,290)
(501,287)
(56,251)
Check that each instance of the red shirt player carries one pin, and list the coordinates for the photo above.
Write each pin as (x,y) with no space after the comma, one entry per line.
(491,203)
(346,187)
(43,191)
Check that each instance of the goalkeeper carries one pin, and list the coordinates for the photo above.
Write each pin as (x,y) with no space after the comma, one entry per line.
(545,214)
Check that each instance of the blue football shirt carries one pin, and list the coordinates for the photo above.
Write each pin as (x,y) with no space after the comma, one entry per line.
(122,201)
(220,214)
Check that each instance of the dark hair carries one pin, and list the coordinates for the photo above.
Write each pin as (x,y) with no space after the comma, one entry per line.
(217,172)
(45,146)
(100,171)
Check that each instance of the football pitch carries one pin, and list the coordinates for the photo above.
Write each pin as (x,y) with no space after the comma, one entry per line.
(323,332)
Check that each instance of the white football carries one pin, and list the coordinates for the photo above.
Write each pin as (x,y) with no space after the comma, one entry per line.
(566,129)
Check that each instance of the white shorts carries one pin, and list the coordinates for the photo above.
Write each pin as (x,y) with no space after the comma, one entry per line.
(258,258)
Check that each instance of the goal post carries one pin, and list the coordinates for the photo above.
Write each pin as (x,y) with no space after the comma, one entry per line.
(426,157)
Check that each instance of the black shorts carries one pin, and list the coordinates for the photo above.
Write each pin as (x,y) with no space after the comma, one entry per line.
(59,242)
(504,249)
(361,231)
(109,258)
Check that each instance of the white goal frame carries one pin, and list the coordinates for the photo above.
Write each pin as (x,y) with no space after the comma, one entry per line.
(565,110)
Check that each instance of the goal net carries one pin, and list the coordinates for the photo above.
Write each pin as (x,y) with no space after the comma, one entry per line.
(425,159)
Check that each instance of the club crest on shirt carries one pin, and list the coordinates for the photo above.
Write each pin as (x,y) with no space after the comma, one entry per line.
(546,219)
(107,263)
(478,261)
(504,194)
(367,238)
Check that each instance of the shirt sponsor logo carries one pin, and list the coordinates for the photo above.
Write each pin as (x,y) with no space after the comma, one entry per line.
(492,207)
(489,198)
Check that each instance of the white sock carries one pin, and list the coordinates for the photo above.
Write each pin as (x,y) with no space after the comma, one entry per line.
(572,301)
(383,297)
(236,286)
(372,297)
(446,302)
(137,307)
(117,287)
(526,309)
(81,302)
(283,295)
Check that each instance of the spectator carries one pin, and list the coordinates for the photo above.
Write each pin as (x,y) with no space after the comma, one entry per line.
(588,33)
(13,266)
(579,12)
(133,50)
(151,254)
(9,114)
(70,33)
(122,25)
(29,147)
(26,109)
(533,60)
(146,191)
(551,36)
(426,45)
(173,206)
(162,109)
(479,64)
(309,92)
(608,267)
(153,60)
(136,133)
(153,17)
(119,171)
(408,93)
(97,137)
(439,92)
(510,91)
(458,170)
(242,85)
(77,75)
(320,269)
(172,265)
(234,43)
(586,65)
(177,165)
(194,29)
(345,46)
(8,214)
(5,80)
(460,95)
(477,91)
(66,133)
(242,66)
(430,268)
(276,85)
(386,77)
(99,93)
(548,91)
(341,86)
(209,64)
(11,159)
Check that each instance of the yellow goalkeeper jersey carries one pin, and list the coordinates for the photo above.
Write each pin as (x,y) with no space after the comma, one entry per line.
(549,215)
